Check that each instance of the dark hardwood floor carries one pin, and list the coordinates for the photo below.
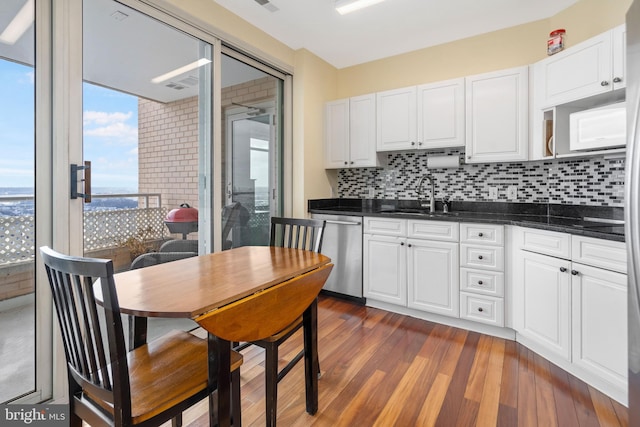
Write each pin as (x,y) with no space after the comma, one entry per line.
(385,369)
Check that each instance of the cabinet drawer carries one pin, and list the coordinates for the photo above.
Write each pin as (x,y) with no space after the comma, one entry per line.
(483,257)
(483,309)
(599,253)
(547,242)
(485,234)
(482,282)
(433,230)
(385,226)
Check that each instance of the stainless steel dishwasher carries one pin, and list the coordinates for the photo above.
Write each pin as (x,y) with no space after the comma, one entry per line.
(342,243)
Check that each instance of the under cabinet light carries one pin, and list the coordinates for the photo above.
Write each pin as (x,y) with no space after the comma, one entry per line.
(19,24)
(184,69)
(346,6)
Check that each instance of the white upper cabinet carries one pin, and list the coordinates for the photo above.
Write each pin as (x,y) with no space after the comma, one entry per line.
(593,67)
(336,138)
(350,133)
(396,119)
(497,116)
(441,114)
(421,117)
(619,51)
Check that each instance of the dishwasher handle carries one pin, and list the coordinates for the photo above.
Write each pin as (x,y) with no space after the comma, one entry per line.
(331,221)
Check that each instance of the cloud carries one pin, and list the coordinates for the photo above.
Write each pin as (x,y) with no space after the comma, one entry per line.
(102,118)
(111,126)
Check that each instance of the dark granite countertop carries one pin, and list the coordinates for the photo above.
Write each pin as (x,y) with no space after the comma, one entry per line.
(572,219)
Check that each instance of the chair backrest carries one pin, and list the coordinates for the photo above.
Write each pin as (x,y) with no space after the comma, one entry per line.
(99,368)
(297,233)
(153,258)
(179,245)
(265,313)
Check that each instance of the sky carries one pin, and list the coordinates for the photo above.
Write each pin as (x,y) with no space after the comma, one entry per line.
(110,132)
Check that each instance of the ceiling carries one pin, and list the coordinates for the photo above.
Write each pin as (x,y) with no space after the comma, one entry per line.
(126,52)
(388,28)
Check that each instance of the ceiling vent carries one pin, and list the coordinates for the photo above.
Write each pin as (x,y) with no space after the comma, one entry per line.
(175,86)
(267,5)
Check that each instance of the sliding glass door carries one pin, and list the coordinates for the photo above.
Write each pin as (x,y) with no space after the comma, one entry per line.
(252,151)
(146,104)
(17,200)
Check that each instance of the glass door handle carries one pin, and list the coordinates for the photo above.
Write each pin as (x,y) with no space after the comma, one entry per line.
(86,181)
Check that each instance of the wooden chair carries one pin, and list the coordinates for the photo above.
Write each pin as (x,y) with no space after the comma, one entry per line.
(108,386)
(265,314)
(292,233)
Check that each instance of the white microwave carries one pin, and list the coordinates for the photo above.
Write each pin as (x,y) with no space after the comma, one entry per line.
(598,128)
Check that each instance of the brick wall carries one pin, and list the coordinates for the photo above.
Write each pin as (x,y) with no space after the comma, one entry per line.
(168,150)
(168,141)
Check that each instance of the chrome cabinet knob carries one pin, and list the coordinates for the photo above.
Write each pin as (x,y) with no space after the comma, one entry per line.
(479,282)
(480,309)
(604,83)
(563,269)
(575,272)
(479,256)
(617,79)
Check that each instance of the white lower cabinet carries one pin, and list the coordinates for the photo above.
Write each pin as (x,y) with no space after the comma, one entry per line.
(384,269)
(412,263)
(433,276)
(599,318)
(482,273)
(570,312)
(543,302)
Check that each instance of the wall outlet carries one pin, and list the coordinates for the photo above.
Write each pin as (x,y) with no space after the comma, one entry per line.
(512,192)
(493,193)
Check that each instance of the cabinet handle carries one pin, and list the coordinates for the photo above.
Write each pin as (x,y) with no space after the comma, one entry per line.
(480,309)
(479,256)
(604,83)
(401,243)
(469,157)
(419,143)
(409,245)
(575,272)
(346,163)
(563,269)
(480,234)
(479,282)
(413,143)
(351,162)
(617,79)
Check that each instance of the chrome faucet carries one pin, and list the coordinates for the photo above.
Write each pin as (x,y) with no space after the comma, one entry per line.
(432,201)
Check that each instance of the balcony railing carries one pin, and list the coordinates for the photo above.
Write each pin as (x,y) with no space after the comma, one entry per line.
(104,227)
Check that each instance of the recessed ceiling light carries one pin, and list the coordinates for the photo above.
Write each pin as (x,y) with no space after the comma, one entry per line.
(19,24)
(346,6)
(181,70)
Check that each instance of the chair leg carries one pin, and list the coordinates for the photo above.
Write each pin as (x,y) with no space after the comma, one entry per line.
(74,420)
(236,411)
(177,421)
(271,383)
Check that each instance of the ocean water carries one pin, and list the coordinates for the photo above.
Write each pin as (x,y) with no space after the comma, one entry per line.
(24,205)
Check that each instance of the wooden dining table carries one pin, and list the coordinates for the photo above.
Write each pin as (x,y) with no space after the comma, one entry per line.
(191,287)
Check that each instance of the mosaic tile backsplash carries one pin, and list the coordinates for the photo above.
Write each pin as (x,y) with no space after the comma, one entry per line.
(592,181)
